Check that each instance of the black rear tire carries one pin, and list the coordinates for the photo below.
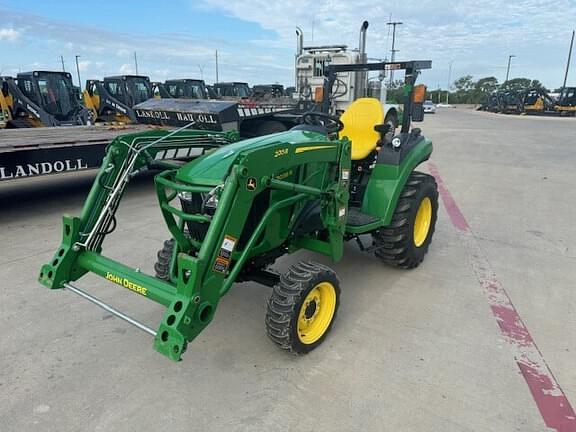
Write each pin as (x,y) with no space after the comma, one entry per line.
(399,244)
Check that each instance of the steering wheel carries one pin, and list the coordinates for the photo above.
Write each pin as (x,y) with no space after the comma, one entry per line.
(315,118)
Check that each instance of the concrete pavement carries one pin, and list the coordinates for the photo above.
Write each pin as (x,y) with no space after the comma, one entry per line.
(413,350)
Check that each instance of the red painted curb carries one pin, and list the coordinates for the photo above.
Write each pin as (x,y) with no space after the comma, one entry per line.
(551,401)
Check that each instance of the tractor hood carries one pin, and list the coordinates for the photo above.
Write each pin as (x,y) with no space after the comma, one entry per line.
(213,168)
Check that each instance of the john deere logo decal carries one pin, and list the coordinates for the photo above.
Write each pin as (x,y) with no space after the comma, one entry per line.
(251,183)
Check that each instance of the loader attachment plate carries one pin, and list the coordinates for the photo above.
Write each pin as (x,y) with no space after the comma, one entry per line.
(204,114)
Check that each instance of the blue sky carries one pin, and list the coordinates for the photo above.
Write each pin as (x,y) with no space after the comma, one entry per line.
(256,41)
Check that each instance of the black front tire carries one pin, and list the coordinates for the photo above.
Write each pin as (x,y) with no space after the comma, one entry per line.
(396,242)
(290,298)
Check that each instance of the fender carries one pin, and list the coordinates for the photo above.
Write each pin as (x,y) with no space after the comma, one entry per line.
(388,179)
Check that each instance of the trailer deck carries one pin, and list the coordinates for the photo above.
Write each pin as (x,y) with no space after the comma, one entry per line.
(42,151)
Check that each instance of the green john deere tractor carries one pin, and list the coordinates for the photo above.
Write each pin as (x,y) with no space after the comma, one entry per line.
(234,207)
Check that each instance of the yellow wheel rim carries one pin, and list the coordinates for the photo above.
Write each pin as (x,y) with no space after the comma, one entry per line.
(316,313)
(422,222)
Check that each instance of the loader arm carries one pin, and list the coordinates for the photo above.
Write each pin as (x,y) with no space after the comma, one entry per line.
(125,157)
(207,272)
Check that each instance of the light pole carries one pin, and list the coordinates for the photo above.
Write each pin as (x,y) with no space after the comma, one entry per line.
(508,69)
(201,68)
(449,75)
(394,51)
(216,66)
(569,57)
(78,72)
(136,62)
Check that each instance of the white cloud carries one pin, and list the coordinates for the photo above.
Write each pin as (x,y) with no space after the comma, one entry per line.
(126,69)
(9,34)
(164,73)
(480,32)
(84,65)
(122,52)
(478,35)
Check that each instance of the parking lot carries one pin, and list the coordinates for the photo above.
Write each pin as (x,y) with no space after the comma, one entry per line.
(480,337)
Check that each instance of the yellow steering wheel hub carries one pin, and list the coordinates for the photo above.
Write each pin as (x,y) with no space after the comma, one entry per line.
(422,222)
(316,312)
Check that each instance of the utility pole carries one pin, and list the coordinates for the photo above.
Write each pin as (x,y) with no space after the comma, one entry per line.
(449,75)
(393,50)
(201,68)
(78,72)
(216,66)
(569,58)
(62,60)
(508,69)
(136,62)
(313,22)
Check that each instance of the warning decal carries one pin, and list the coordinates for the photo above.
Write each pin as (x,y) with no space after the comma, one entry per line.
(224,255)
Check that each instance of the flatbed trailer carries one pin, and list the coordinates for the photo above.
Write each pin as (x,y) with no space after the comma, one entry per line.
(43,151)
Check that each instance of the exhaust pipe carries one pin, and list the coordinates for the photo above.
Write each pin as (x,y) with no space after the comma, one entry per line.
(299,41)
(362,43)
(299,50)
(361,81)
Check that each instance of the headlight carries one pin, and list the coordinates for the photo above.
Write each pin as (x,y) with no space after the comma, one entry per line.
(185,196)
(211,202)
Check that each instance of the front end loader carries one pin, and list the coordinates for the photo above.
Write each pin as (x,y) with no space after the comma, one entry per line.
(233,207)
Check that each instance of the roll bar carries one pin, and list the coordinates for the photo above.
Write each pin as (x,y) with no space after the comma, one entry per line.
(412,69)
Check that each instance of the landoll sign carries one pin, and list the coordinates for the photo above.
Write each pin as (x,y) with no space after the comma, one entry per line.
(203,114)
(38,162)
(41,168)
(200,119)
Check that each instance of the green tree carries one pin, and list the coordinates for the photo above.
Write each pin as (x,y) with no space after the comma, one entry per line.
(468,91)
(516,85)
(486,85)
(395,92)
(464,84)
(464,90)
(538,85)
